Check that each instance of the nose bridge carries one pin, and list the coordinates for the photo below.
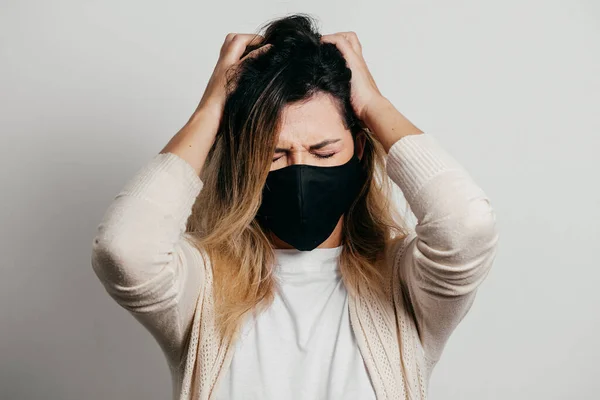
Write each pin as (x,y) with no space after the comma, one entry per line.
(297,156)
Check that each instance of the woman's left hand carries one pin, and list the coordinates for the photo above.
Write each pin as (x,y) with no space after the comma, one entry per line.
(375,111)
(364,91)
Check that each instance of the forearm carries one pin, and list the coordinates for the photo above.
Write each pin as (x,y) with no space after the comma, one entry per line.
(387,123)
(194,140)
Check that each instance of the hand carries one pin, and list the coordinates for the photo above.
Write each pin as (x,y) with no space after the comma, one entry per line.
(375,111)
(364,91)
(195,139)
(232,49)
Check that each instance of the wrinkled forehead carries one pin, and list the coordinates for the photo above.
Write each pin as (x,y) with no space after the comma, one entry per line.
(312,121)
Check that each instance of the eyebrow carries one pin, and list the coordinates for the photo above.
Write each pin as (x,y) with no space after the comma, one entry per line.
(312,147)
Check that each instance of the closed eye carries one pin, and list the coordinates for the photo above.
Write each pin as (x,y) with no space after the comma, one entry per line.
(315,154)
(324,155)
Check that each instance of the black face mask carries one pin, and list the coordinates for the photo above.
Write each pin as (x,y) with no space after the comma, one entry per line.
(302,204)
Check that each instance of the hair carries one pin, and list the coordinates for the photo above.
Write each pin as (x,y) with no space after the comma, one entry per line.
(223,221)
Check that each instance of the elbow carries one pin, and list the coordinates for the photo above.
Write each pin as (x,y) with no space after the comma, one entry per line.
(481,239)
(462,252)
(479,227)
(119,270)
(475,246)
(470,234)
(455,265)
(104,259)
(456,218)
(111,257)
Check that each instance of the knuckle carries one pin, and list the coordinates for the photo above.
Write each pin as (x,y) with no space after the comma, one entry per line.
(237,38)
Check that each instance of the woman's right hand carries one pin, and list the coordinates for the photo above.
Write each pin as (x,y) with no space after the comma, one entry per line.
(232,49)
(195,139)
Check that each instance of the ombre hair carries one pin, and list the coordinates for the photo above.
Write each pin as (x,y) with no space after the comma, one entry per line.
(223,221)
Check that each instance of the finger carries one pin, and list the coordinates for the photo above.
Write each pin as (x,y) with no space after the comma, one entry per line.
(353,39)
(341,42)
(243,36)
(349,36)
(257,52)
(236,43)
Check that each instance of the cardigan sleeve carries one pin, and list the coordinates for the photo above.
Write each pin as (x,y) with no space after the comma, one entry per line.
(443,261)
(142,255)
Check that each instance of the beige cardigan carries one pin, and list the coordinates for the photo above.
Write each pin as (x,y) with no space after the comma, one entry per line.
(142,256)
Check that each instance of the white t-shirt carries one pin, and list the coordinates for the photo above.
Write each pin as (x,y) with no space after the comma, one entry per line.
(303,346)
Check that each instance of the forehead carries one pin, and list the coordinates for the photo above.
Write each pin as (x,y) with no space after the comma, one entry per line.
(311,121)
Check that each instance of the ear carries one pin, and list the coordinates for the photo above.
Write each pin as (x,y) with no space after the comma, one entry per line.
(359,144)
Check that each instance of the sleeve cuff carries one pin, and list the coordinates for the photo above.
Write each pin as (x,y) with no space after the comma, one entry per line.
(168,181)
(415,159)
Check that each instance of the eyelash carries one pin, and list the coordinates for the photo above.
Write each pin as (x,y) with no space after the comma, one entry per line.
(316,155)
(324,156)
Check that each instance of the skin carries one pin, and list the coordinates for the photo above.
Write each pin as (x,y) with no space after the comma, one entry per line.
(304,124)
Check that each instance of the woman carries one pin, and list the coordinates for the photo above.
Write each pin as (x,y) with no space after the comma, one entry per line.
(261,247)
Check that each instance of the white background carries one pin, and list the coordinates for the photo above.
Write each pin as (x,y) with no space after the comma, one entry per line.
(91,90)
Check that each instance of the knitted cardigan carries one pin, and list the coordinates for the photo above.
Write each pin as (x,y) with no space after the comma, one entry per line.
(142,255)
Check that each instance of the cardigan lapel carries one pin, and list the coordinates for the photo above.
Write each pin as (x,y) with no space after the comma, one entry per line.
(374,326)
(408,335)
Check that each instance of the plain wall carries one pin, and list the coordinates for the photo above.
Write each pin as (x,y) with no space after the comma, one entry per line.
(91,90)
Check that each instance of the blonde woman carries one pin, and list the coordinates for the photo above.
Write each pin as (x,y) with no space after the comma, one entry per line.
(261,247)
